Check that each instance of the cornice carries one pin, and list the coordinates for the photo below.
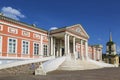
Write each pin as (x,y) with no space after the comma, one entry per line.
(20,23)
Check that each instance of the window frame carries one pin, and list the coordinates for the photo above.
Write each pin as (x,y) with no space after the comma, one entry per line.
(34,48)
(12,47)
(25,48)
(45,50)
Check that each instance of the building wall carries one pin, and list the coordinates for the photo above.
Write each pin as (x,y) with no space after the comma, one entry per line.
(20,36)
(94,52)
(11,31)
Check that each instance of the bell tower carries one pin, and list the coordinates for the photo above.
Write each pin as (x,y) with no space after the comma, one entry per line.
(111,46)
(111,56)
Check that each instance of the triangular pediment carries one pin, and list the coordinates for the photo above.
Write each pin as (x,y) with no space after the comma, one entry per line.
(77,29)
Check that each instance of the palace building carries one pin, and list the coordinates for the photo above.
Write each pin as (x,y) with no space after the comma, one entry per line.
(21,41)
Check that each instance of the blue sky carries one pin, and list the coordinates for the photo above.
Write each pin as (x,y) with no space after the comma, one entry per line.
(97,17)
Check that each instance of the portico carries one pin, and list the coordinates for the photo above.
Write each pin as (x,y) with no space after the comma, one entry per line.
(66,42)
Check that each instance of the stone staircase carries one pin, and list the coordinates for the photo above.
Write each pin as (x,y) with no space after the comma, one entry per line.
(49,66)
(27,68)
(78,65)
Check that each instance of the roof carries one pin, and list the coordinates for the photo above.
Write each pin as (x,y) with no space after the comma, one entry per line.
(68,28)
(2,17)
(110,43)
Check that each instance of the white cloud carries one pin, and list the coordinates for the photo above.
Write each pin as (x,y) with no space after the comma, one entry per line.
(53,28)
(12,13)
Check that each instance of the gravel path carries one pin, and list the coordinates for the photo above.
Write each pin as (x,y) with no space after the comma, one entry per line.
(98,74)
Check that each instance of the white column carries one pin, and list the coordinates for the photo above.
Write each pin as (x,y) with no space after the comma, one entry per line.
(94,52)
(60,47)
(98,54)
(41,46)
(51,47)
(74,47)
(65,44)
(86,49)
(81,42)
(54,41)
(68,46)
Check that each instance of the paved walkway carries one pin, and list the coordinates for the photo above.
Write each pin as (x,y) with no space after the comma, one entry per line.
(100,74)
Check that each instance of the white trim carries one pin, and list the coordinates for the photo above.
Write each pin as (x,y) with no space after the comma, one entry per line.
(1,27)
(1,43)
(19,37)
(80,27)
(25,50)
(22,28)
(12,32)
(76,36)
(15,46)
(33,48)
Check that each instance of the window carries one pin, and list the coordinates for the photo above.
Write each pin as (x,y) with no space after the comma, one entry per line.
(78,30)
(36,48)
(45,50)
(12,45)
(1,27)
(0,44)
(25,47)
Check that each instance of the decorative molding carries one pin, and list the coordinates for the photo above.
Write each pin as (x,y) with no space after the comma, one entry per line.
(18,37)
(12,30)
(25,33)
(37,36)
(19,23)
(8,24)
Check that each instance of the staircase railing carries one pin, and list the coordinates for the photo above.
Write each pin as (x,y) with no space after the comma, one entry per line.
(18,63)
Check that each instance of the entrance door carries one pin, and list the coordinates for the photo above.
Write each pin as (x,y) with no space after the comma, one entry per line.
(0,44)
(63,51)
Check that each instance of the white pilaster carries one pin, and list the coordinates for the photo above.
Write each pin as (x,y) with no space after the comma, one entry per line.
(86,49)
(41,46)
(81,42)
